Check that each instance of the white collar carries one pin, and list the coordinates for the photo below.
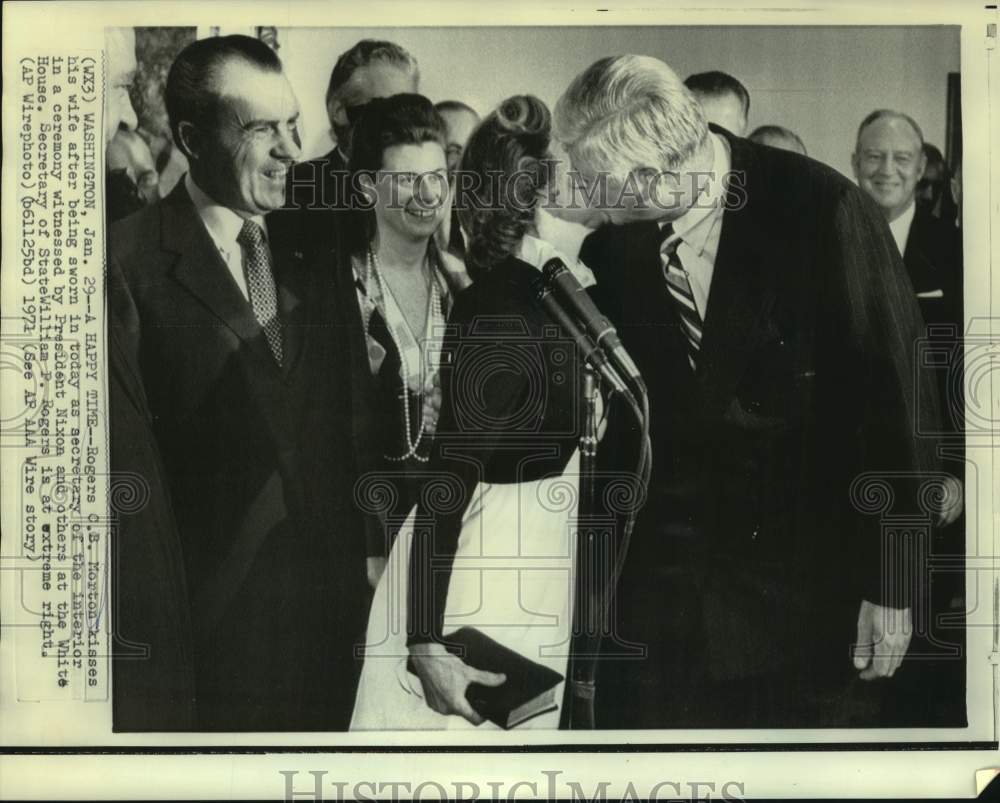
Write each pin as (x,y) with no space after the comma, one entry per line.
(900,227)
(222,223)
(536,252)
(708,204)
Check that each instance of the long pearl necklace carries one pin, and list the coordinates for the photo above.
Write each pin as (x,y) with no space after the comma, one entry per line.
(433,314)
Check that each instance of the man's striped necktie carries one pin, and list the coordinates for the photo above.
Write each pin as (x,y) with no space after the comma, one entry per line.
(680,291)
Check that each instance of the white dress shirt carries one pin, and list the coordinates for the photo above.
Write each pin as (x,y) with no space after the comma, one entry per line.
(224,226)
(700,227)
(900,227)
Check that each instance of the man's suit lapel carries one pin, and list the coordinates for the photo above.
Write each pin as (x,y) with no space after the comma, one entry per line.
(741,294)
(201,270)
(295,284)
(918,255)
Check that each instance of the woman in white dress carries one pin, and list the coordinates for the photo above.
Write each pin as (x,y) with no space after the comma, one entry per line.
(490,544)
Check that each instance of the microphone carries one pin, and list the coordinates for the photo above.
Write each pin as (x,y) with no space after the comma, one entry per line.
(564,284)
(591,353)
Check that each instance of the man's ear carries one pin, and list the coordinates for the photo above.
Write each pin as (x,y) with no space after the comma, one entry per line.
(337,115)
(855,164)
(921,164)
(188,139)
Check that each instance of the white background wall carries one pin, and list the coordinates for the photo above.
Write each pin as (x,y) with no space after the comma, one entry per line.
(820,82)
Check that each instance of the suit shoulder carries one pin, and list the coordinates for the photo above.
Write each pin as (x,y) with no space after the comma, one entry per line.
(132,238)
(935,227)
(934,238)
(782,172)
(507,290)
(312,169)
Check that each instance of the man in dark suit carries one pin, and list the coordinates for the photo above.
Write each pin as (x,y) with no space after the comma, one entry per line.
(889,160)
(762,298)
(234,334)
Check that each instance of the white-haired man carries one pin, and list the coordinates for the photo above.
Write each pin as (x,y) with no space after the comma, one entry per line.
(765,302)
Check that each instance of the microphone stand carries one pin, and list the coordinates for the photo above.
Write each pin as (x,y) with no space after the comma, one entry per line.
(596,572)
(588,603)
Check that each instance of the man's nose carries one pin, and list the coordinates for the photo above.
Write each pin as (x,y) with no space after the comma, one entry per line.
(129,120)
(884,164)
(288,145)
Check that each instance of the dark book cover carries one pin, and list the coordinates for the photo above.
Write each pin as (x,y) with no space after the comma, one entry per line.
(528,691)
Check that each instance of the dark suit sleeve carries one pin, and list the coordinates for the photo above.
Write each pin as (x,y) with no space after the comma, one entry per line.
(870,338)
(151,610)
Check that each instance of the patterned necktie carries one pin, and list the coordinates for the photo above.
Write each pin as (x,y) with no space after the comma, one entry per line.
(260,283)
(680,292)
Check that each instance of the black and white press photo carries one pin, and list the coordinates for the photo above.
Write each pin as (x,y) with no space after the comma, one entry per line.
(616,369)
(555,401)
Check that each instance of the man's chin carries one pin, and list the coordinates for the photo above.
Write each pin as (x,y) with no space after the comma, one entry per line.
(265,205)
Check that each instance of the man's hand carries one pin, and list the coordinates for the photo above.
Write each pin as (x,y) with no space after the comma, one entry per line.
(883,638)
(445,677)
(952,501)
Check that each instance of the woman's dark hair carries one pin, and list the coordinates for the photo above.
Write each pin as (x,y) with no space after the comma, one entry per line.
(507,163)
(404,119)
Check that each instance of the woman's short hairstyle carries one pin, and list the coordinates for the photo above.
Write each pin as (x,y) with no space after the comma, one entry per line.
(404,119)
(626,112)
(191,94)
(506,163)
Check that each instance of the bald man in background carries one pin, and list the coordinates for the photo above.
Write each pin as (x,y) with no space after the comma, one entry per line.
(888,162)
(776,136)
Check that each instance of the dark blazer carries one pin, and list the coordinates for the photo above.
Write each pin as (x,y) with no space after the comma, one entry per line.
(319,218)
(153,667)
(521,422)
(933,259)
(260,467)
(321,191)
(749,541)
